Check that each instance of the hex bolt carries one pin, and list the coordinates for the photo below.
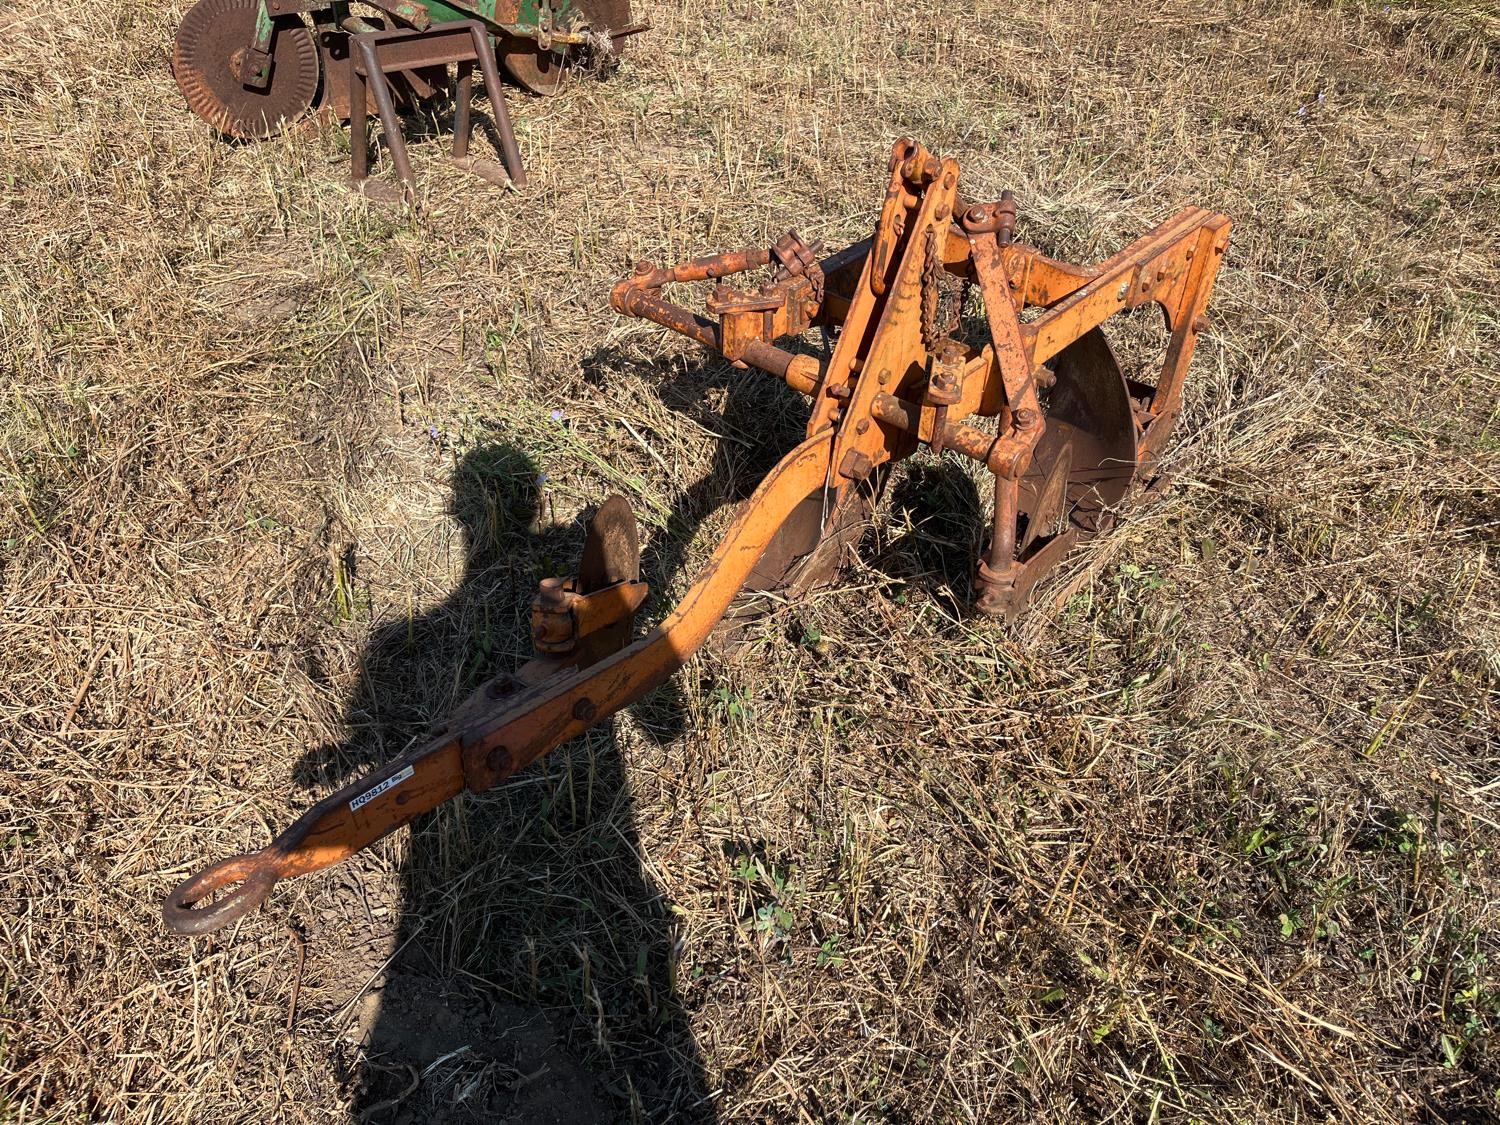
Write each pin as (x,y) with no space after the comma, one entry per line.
(584,710)
(497,760)
(856,465)
(862,426)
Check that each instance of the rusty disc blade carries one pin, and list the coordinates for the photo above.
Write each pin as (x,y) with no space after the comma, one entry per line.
(1086,460)
(333,94)
(210,44)
(546,72)
(611,553)
(807,553)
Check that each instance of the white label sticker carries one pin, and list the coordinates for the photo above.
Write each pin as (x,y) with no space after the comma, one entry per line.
(389,783)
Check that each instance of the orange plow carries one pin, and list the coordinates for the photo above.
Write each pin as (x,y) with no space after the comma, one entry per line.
(1040,401)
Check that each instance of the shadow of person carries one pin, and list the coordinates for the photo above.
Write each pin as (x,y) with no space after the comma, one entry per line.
(532,979)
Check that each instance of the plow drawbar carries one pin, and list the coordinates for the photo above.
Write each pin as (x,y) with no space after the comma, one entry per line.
(1040,401)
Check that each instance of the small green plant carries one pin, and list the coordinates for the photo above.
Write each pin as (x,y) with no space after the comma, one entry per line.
(829,954)
(1134,578)
(775,920)
(732,705)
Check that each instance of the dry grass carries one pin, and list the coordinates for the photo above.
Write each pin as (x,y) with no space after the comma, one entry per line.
(1215,841)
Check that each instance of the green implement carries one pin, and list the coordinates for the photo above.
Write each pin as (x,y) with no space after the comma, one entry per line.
(251,67)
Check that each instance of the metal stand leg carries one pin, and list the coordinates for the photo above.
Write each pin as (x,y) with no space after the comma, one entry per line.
(359,132)
(462,125)
(412,53)
(508,150)
(389,122)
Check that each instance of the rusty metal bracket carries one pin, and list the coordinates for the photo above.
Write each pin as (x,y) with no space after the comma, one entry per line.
(562,615)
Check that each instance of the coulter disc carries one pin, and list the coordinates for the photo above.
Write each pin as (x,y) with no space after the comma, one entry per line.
(546,72)
(209,47)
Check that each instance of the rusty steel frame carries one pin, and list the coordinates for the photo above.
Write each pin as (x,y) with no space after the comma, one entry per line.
(374,55)
(896,379)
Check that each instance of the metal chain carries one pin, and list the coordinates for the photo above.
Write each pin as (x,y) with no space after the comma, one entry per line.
(933,333)
(932,270)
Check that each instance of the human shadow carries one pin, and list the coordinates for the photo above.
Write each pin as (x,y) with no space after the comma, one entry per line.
(532,978)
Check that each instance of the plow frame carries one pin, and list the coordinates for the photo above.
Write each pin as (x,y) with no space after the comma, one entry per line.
(897,378)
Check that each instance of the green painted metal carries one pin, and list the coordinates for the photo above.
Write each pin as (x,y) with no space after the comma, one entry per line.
(444,13)
(416,14)
(262,41)
(528,16)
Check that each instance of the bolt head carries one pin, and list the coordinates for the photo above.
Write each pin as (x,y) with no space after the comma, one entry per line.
(856,465)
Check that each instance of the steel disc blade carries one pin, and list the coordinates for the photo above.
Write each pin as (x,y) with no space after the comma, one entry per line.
(210,44)
(546,72)
(806,553)
(1090,424)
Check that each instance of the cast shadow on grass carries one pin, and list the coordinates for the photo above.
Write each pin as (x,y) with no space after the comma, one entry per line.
(532,979)
(533,976)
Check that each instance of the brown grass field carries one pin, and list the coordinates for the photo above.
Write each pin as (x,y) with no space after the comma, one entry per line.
(1213,840)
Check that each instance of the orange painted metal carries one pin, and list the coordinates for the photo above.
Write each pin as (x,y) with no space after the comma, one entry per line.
(1040,402)
(515,720)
